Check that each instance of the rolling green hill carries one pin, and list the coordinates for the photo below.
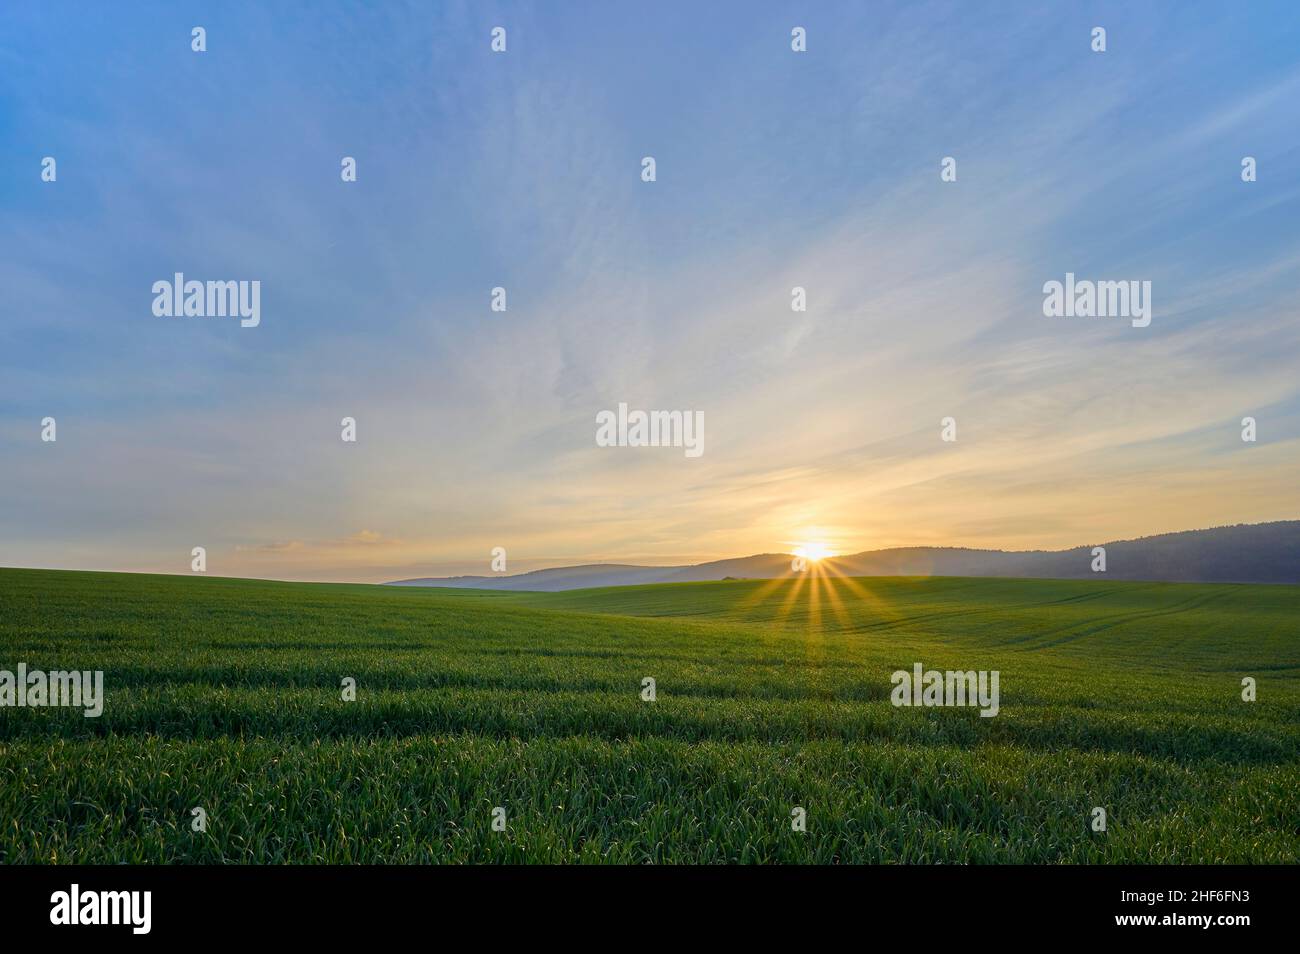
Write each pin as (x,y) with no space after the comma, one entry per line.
(225,694)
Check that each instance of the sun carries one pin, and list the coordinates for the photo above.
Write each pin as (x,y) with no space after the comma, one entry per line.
(812,552)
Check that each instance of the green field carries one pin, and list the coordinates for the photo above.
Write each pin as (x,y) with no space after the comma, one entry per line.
(225,694)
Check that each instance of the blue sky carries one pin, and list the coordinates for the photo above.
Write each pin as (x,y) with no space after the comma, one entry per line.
(775,169)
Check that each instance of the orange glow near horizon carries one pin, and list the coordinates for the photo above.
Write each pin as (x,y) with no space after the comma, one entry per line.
(813,552)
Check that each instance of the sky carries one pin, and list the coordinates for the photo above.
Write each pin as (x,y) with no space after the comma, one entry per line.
(522,169)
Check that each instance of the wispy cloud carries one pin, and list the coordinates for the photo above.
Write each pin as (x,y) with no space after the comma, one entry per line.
(475,428)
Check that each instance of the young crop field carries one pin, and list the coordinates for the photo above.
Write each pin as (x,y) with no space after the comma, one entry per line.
(227,695)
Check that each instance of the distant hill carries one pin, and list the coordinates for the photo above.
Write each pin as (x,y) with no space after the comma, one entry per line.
(1245,553)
